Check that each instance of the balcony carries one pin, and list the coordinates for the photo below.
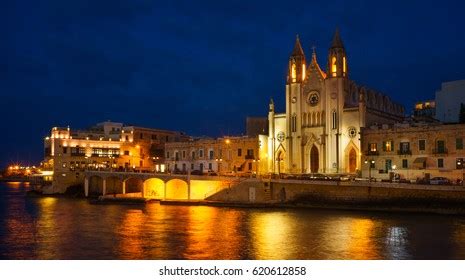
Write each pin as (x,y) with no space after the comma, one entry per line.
(372,153)
(442,151)
(404,152)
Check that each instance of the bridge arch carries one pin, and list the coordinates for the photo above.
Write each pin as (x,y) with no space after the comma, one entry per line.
(154,188)
(95,185)
(114,185)
(177,189)
(134,185)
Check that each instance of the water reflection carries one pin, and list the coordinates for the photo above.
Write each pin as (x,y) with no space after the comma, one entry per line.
(59,228)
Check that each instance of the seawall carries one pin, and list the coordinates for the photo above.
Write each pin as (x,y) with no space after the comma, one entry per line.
(347,195)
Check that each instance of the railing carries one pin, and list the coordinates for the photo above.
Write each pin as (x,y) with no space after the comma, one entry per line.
(404,152)
(372,153)
(440,151)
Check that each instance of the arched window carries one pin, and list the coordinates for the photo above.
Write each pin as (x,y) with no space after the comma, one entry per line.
(344,66)
(303,71)
(293,73)
(333,66)
(334,119)
(294,123)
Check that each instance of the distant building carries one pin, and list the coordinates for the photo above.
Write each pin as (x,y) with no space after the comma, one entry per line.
(108,145)
(425,109)
(414,150)
(256,126)
(222,155)
(448,101)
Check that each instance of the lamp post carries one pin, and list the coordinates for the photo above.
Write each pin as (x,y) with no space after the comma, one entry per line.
(371,162)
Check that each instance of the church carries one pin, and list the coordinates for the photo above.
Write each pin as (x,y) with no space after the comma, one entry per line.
(320,130)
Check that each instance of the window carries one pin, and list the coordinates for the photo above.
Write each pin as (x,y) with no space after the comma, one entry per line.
(211,155)
(250,153)
(193,154)
(459,163)
(65,150)
(372,147)
(459,143)
(334,119)
(387,146)
(183,154)
(440,162)
(168,155)
(192,166)
(333,66)
(404,148)
(184,167)
(127,138)
(294,123)
(372,164)
(176,156)
(404,163)
(201,153)
(388,165)
(141,135)
(126,153)
(440,146)
(239,152)
(210,166)
(422,145)
(201,167)
(154,137)
(250,166)
(344,65)
(293,73)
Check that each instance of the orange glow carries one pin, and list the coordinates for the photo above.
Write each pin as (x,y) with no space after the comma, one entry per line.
(176,189)
(303,72)
(344,66)
(154,188)
(202,189)
(333,66)
(293,73)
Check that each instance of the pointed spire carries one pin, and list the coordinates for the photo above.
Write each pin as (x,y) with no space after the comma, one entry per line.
(337,42)
(298,51)
(271,107)
(313,54)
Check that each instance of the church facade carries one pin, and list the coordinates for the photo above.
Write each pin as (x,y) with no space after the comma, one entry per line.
(325,110)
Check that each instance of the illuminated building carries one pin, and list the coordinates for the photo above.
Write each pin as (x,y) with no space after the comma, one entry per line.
(319,131)
(414,151)
(106,146)
(233,155)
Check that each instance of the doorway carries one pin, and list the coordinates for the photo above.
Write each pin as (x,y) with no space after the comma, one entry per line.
(352,161)
(314,159)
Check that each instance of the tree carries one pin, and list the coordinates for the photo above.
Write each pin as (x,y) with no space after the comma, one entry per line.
(462,113)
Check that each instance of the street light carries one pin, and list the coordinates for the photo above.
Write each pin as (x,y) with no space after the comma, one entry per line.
(371,161)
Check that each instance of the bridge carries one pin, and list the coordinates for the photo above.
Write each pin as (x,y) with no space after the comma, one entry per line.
(154,185)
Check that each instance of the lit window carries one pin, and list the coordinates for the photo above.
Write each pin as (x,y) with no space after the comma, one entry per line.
(293,73)
(333,66)
(303,72)
(373,147)
(387,147)
(344,65)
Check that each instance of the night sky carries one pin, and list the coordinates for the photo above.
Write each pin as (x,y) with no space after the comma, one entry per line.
(202,66)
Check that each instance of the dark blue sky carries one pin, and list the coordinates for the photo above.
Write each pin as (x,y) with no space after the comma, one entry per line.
(202,66)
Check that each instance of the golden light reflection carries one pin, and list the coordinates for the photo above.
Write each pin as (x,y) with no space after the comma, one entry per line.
(361,244)
(131,245)
(271,232)
(350,238)
(207,228)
